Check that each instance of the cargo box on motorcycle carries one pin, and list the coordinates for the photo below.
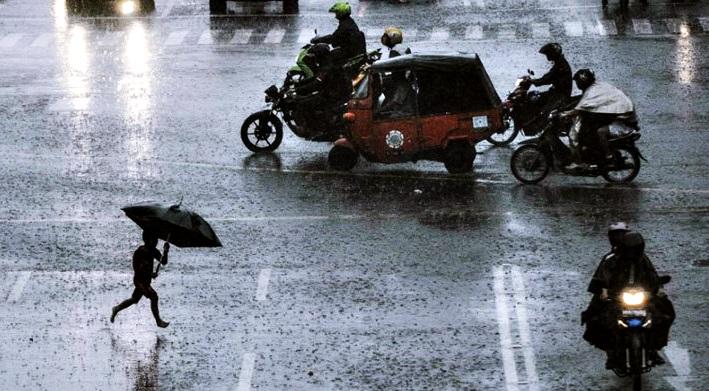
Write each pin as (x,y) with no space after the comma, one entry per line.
(420,107)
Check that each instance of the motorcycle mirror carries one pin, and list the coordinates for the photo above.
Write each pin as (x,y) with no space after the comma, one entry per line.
(665,279)
(531,72)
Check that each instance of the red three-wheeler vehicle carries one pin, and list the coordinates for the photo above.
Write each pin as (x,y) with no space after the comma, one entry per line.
(420,107)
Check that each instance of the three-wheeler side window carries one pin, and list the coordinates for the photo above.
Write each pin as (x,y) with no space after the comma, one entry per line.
(394,94)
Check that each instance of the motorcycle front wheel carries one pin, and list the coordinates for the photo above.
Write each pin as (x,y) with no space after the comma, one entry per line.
(262,132)
(530,164)
(625,167)
(500,139)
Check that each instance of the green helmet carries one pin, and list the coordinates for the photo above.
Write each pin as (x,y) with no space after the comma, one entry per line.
(341,9)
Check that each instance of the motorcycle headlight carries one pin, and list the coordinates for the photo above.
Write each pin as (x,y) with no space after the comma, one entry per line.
(128,7)
(634,297)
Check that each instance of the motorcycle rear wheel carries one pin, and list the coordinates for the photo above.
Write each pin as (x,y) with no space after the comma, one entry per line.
(504,138)
(529,164)
(262,132)
(621,156)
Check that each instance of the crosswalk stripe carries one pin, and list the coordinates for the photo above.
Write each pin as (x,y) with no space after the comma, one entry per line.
(540,30)
(305,36)
(206,38)
(275,36)
(474,32)
(241,37)
(642,26)
(507,32)
(573,29)
(439,34)
(10,40)
(704,22)
(111,38)
(176,37)
(606,27)
(42,41)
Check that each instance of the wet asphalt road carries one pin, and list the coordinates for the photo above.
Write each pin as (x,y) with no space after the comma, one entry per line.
(389,277)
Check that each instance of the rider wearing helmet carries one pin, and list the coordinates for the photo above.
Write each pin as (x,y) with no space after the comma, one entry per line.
(393,36)
(347,37)
(626,265)
(559,76)
(601,104)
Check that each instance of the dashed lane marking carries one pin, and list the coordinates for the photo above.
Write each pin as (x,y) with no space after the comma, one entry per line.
(503,323)
(248,362)
(523,327)
(176,37)
(275,36)
(241,37)
(440,34)
(606,27)
(474,32)
(642,26)
(42,41)
(206,38)
(540,30)
(10,40)
(678,357)
(262,284)
(19,286)
(574,29)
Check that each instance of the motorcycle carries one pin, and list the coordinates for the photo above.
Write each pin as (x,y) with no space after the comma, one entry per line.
(534,159)
(262,131)
(523,112)
(634,320)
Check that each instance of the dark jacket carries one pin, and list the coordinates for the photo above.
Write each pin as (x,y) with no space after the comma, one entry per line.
(347,37)
(615,273)
(559,77)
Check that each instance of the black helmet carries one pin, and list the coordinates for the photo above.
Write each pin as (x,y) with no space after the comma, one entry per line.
(551,50)
(616,231)
(319,51)
(584,78)
(632,244)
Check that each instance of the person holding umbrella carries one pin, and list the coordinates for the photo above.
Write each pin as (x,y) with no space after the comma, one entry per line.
(143,268)
(173,224)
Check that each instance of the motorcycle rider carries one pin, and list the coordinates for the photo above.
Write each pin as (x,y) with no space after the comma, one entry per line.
(347,37)
(626,265)
(601,104)
(559,76)
(392,37)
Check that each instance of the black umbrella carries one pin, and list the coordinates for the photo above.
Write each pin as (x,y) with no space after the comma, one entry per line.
(174,224)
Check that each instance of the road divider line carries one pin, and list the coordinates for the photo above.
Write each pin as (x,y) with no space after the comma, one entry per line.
(262,284)
(274,36)
(176,37)
(10,40)
(523,327)
(503,323)
(19,286)
(248,362)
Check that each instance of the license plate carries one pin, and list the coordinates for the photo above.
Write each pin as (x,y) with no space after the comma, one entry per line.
(480,122)
(634,313)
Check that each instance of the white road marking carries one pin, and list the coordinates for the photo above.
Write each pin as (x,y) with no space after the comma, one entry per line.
(642,26)
(248,362)
(20,283)
(10,40)
(474,32)
(305,35)
(523,327)
(275,36)
(176,37)
(540,30)
(606,27)
(262,285)
(503,323)
(673,25)
(704,22)
(42,41)
(507,32)
(111,38)
(206,38)
(440,34)
(573,29)
(678,357)
(241,37)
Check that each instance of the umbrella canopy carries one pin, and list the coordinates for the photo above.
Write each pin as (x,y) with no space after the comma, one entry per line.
(174,224)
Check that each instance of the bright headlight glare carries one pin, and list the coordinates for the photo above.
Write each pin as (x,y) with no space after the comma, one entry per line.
(128,7)
(634,297)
